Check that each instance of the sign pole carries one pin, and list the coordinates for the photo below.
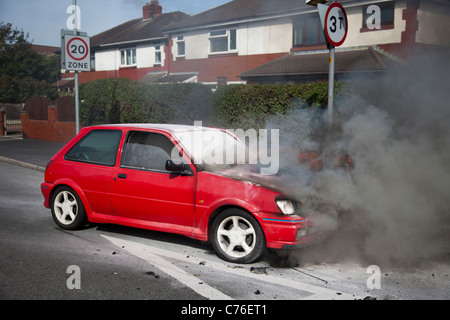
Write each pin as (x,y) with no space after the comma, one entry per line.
(331,86)
(75,54)
(77,97)
(77,105)
(335,27)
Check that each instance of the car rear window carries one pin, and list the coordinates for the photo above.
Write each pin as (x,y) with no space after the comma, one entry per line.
(98,146)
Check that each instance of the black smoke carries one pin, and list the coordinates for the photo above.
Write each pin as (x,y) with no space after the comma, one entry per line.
(393,204)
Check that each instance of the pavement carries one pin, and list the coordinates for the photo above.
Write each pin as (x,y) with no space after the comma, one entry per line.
(32,154)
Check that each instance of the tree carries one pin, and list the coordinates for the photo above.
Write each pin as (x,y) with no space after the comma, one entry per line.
(23,72)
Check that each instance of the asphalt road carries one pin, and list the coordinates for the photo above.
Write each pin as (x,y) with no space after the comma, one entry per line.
(35,254)
(115,262)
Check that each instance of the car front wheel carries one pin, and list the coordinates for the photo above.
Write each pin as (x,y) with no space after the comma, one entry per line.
(67,209)
(237,236)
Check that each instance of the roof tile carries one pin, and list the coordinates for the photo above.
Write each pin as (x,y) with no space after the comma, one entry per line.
(137,30)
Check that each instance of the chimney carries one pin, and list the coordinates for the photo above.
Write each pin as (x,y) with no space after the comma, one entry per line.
(151,10)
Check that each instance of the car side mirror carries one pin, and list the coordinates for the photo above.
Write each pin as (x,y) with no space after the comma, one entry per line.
(174,167)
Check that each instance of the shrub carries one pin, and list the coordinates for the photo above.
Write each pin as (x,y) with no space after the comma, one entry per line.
(125,101)
(248,106)
(180,103)
(294,109)
(100,99)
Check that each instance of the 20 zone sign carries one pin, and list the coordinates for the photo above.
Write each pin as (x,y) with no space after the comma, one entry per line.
(77,53)
(336,24)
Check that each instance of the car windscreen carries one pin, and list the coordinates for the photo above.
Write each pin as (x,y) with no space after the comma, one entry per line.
(215,149)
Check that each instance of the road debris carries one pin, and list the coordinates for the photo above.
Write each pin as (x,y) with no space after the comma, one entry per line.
(259,270)
(151,273)
(303,272)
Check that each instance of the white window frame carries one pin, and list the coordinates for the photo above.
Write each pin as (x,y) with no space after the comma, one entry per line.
(124,57)
(226,33)
(158,50)
(180,39)
(303,28)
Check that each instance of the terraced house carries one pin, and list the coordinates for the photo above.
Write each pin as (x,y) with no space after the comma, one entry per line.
(266,41)
(134,48)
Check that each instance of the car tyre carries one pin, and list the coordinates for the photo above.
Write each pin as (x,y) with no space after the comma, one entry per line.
(67,209)
(237,236)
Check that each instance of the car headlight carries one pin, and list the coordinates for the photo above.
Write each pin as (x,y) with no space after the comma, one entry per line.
(286,206)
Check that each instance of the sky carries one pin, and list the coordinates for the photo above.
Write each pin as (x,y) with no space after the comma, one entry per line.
(44,19)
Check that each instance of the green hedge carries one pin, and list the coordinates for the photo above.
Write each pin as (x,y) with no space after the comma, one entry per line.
(125,101)
(291,108)
(248,106)
(296,110)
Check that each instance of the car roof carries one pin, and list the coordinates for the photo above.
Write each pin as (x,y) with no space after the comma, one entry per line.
(165,127)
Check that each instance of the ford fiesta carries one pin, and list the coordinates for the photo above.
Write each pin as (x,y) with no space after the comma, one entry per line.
(153,177)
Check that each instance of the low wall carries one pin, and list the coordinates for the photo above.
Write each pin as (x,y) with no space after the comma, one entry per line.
(49,130)
(2,123)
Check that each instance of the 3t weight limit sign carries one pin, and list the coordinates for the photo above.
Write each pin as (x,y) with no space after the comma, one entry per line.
(336,25)
(77,52)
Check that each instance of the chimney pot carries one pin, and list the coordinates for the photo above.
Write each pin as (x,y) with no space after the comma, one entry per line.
(151,10)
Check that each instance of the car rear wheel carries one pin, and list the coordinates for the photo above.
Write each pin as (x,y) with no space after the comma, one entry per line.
(67,209)
(237,236)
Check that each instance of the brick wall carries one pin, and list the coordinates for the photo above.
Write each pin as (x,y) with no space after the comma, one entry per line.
(134,74)
(2,123)
(229,66)
(49,130)
(408,38)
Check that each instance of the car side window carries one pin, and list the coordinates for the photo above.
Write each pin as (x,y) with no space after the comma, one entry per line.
(146,151)
(98,147)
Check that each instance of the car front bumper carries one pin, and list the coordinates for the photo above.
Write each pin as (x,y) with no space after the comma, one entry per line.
(283,231)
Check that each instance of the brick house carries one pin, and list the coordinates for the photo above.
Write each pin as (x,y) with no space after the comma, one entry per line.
(264,41)
(133,49)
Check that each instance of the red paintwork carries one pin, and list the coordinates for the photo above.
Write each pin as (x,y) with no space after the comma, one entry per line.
(163,202)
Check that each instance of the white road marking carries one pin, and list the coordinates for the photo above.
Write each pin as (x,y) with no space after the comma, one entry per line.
(147,253)
(154,256)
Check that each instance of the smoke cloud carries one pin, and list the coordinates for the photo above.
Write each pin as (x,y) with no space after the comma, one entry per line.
(391,203)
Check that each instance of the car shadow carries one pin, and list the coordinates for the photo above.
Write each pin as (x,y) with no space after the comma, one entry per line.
(274,258)
(155,236)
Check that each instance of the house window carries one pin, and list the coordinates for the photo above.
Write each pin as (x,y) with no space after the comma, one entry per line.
(181,46)
(128,57)
(379,16)
(158,55)
(308,32)
(222,41)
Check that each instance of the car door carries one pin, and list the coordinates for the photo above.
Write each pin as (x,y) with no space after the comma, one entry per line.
(142,188)
(90,165)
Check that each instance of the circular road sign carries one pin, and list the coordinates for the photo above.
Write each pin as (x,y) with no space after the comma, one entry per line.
(77,49)
(336,25)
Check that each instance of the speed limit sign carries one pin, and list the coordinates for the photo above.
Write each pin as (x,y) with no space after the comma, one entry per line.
(336,24)
(77,53)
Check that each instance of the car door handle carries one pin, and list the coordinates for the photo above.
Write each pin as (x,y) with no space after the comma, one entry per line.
(122,176)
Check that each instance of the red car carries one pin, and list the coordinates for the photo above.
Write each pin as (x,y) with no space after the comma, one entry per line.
(152,177)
